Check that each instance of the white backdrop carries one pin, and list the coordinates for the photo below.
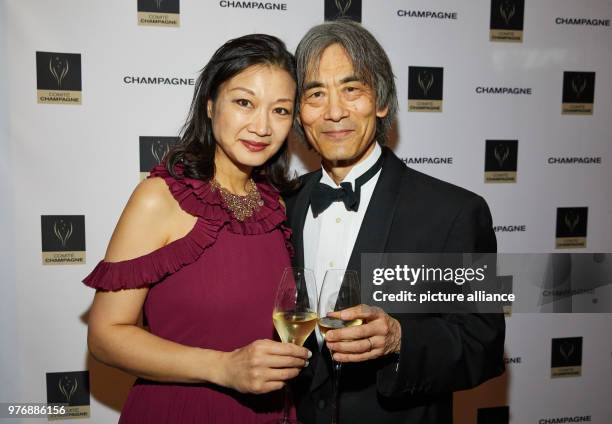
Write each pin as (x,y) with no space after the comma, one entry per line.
(64,160)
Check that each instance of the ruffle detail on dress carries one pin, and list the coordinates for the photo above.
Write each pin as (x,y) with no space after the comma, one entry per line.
(194,196)
(287,234)
(151,268)
(197,198)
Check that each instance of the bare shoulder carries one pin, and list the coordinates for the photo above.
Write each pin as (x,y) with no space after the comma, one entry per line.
(146,222)
(153,195)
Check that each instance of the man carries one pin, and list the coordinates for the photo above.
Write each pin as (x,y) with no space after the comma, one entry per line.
(400,368)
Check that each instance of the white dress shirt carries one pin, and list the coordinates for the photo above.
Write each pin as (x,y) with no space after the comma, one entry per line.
(329,238)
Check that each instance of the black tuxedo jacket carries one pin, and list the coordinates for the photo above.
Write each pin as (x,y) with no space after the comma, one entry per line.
(408,212)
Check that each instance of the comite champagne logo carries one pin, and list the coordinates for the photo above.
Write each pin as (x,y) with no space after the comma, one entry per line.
(571,227)
(501,161)
(159,13)
(63,239)
(494,415)
(152,151)
(425,89)
(507,20)
(58,78)
(343,9)
(566,357)
(578,93)
(71,389)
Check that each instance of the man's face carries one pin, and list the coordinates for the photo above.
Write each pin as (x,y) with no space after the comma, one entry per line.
(338,110)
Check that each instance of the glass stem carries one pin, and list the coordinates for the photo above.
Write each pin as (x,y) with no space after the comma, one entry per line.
(287,406)
(335,401)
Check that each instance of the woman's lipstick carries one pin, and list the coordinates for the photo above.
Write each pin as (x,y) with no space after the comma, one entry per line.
(254,146)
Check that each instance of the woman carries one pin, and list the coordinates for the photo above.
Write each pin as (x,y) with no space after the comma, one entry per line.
(200,248)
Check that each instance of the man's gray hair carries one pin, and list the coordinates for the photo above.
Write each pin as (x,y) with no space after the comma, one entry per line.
(370,63)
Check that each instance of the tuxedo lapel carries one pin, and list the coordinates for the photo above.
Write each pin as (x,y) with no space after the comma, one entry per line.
(374,230)
(372,235)
(297,214)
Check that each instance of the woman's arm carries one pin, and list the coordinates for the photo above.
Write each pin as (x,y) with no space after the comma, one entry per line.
(151,219)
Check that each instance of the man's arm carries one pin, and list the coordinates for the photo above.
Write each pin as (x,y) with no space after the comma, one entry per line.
(455,351)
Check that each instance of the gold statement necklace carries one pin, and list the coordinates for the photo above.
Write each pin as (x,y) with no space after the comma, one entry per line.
(242,207)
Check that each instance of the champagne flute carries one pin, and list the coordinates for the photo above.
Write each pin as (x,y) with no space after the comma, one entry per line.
(295,314)
(340,290)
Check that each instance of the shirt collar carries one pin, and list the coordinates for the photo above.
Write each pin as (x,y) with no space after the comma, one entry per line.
(356,171)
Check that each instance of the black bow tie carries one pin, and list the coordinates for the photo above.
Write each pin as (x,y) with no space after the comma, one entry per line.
(323,195)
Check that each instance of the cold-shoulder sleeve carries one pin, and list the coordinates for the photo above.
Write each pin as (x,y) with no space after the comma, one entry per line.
(153,267)
(197,198)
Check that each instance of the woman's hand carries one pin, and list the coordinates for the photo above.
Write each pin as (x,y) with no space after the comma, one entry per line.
(263,366)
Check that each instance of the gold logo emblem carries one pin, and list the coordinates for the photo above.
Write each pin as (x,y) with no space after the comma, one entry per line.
(501,153)
(566,349)
(343,6)
(507,9)
(68,386)
(62,231)
(425,80)
(571,220)
(159,150)
(579,83)
(59,69)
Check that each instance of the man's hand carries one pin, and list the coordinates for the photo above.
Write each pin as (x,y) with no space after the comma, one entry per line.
(379,335)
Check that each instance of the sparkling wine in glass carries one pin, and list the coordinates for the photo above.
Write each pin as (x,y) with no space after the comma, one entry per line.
(295,314)
(340,290)
(294,327)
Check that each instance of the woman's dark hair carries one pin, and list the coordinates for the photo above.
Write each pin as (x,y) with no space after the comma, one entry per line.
(196,147)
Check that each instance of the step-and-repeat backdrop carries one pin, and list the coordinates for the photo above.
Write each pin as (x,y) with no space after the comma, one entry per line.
(511,99)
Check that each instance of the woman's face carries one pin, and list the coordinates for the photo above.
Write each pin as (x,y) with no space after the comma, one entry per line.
(252,115)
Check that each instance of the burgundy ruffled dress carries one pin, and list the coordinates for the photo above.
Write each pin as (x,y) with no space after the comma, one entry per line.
(214,289)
